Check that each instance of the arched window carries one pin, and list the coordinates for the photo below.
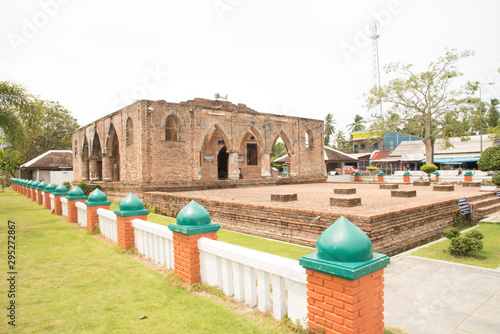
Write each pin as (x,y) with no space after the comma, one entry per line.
(172,128)
(375,145)
(129,131)
(308,138)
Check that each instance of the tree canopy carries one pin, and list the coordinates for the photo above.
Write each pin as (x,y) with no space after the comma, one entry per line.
(428,103)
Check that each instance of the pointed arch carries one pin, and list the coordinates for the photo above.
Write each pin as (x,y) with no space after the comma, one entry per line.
(173,124)
(285,139)
(217,127)
(112,163)
(215,150)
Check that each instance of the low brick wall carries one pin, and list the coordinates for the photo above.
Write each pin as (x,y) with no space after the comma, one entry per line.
(344,191)
(345,201)
(404,193)
(389,186)
(391,232)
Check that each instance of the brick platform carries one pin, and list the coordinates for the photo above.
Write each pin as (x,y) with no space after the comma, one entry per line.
(344,191)
(404,193)
(283,197)
(421,183)
(389,186)
(444,187)
(249,210)
(471,184)
(345,201)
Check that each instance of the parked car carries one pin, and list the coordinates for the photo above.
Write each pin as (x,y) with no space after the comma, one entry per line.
(348,170)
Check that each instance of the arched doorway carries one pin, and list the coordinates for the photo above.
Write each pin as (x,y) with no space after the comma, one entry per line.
(96,157)
(113,154)
(222,163)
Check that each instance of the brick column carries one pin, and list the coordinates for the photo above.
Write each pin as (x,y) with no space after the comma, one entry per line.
(97,199)
(436,173)
(131,207)
(34,187)
(75,195)
(107,169)
(40,189)
(406,177)
(49,189)
(468,176)
(266,164)
(27,192)
(381,176)
(85,168)
(93,169)
(233,171)
(193,222)
(345,282)
(60,191)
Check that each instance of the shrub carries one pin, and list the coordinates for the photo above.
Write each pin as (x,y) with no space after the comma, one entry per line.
(474,234)
(67,185)
(87,188)
(496,179)
(428,169)
(490,159)
(372,168)
(451,233)
(461,221)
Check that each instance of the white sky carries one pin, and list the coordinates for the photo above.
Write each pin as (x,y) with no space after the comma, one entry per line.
(281,56)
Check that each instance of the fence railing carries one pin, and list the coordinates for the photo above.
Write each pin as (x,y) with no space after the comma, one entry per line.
(154,241)
(64,206)
(260,279)
(43,197)
(81,214)
(52,206)
(107,223)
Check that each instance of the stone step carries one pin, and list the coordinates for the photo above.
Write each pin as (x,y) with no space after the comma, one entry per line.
(480,213)
(485,202)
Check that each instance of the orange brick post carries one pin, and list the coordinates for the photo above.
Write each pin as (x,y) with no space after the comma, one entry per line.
(49,189)
(406,177)
(468,176)
(60,191)
(40,189)
(28,189)
(97,199)
(345,282)
(131,207)
(381,176)
(75,195)
(34,187)
(357,176)
(436,173)
(25,187)
(193,222)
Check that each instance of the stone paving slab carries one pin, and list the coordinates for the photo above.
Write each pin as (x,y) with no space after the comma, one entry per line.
(430,296)
(316,196)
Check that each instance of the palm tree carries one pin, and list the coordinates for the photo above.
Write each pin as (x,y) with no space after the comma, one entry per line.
(358,124)
(329,128)
(340,139)
(493,113)
(20,113)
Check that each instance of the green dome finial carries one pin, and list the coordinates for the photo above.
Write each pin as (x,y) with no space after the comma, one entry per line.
(34,185)
(61,191)
(381,173)
(468,172)
(344,242)
(76,193)
(50,188)
(193,214)
(130,206)
(41,186)
(407,173)
(97,198)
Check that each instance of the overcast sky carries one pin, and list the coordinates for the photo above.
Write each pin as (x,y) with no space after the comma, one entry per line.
(299,58)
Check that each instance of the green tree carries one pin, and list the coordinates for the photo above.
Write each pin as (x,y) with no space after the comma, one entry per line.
(279,150)
(340,140)
(20,114)
(329,128)
(358,124)
(10,160)
(490,159)
(427,97)
(492,113)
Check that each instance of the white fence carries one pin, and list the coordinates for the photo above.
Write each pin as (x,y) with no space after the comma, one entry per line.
(52,206)
(43,197)
(267,281)
(107,223)
(154,241)
(64,205)
(81,214)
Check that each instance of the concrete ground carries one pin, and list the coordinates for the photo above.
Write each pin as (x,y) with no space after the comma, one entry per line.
(431,296)
(316,196)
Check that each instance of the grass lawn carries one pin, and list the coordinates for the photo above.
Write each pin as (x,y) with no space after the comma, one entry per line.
(488,258)
(69,281)
(265,245)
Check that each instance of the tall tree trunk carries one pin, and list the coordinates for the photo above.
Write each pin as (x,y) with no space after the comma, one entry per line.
(429,143)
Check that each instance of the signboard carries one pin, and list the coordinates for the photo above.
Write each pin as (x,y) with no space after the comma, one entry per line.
(498,193)
(221,142)
(463,205)
(209,158)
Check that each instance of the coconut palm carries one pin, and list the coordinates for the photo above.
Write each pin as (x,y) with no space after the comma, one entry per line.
(340,139)
(358,124)
(20,113)
(329,128)
(493,113)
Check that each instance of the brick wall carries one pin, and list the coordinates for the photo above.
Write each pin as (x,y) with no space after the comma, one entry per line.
(391,233)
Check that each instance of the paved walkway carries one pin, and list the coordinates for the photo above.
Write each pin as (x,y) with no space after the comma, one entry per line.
(430,296)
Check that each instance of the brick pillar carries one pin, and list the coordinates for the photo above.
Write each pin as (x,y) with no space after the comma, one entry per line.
(28,189)
(468,176)
(60,191)
(40,189)
(93,169)
(85,168)
(193,222)
(97,199)
(75,195)
(49,189)
(266,165)
(357,176)
(34,187)
(131,207)
(345,282)
(233,172)
(107,169)
(381,176)
(406,177)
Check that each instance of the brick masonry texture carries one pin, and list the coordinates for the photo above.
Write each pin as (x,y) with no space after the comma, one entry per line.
(446,187)
(389,186)
(344,191)
(421,183)
(393,224)
(198,144)
(404,193)
(283,197)
(345,201)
